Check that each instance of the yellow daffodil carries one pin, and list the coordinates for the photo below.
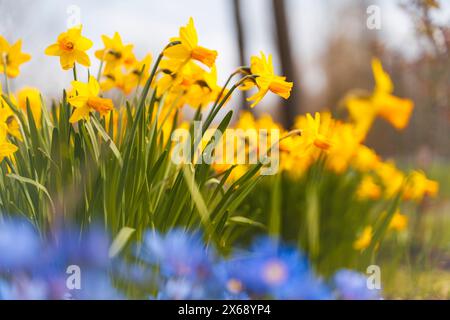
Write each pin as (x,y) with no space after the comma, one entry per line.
(365,159)
(11,57)
(364,240)
(139,70)
(368,189)
(364,110)
(316,131)
(115,53)
(189,49)
(246,120)
(419,186)
(8,117)
(399,222)
(344,145)
(70,47)
(87,100)
(266,80)
(7,149)
(34,98)
(204,90)
(391,178)
(116,78)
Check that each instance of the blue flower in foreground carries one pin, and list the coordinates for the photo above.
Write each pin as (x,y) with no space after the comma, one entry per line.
(186,267)
(33,269)
(95,285)
(23,289)
(19,245)
(275,271)
(351,285)
(85,249)
(178,254)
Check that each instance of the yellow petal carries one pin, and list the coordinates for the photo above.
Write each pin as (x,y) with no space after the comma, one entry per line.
(84,44)
(78,102)
(7,149)
(382,79)
(82,58)
(188,35)
(256,98)
(67,60)
(395,110)
(94,87)
(79,113)
(179,52)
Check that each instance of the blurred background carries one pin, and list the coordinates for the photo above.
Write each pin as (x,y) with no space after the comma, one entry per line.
(324,46)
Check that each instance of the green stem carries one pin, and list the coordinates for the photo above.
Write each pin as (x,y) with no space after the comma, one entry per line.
(6,76)
(216,108)
(239,70)
(99,74)
(75,72)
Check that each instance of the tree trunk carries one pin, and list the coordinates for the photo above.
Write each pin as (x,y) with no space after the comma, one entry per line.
(241,45)
(292,105)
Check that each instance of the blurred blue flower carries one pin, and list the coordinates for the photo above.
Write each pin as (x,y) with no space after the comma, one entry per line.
(274,271)
(184,267)
(19,245)
(178,254)
(88,248)
(23,288)
(33,269)
(183,289)
(351,285)
(95,285)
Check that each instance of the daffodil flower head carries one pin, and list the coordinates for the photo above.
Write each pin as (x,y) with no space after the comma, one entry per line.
(8,117)
(7,149)
(11,57)
(116,78)
(188,48)
(399,222)
(365,159)
(344,146)
(364,239)
(140,69)
(316,131)
(419,186)
(71,47)
(364,109)
(115,53)
(368,189)
(391,177)
(266,80)
(84,98)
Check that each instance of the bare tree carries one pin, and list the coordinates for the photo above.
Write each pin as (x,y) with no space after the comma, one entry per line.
(292,105)
(241,44)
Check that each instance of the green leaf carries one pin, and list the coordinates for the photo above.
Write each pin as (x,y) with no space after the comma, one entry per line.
(34,183)
(108,140)
(195,193)
(247,221)
(120,241)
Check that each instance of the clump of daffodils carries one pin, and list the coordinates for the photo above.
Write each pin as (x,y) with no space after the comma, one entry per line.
(93,157)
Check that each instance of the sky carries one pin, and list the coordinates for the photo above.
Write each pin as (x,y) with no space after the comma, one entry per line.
(150,23)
